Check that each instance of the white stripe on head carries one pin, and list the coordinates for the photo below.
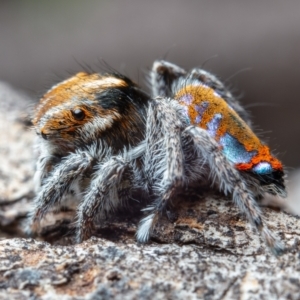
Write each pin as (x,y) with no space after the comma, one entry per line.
(98,124)
(105,82)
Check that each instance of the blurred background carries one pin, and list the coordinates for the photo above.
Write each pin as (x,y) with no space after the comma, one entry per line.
(42,42)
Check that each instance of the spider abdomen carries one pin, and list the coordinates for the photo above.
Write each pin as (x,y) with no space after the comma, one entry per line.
(206,109)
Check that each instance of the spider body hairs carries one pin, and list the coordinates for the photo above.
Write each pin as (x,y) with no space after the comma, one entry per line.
(101,136)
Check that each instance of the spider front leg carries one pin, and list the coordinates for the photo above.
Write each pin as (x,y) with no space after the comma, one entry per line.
(44,165)
(102,198)
(231,181)
(57,183)
(164,154)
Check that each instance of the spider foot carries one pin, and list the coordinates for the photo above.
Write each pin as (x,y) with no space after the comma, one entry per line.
(275,245)
(85,229)
(145,228)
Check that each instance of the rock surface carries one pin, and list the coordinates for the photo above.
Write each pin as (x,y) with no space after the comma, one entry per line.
(208,251)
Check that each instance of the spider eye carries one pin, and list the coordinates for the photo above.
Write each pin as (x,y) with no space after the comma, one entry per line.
(78,114)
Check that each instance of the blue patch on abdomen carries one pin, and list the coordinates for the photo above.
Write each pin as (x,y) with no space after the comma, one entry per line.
(263,168)
(235,151)
(213,125)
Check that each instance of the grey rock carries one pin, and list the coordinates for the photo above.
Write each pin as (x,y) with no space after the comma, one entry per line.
(16,144)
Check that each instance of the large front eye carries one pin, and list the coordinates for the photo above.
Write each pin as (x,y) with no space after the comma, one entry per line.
(78,114)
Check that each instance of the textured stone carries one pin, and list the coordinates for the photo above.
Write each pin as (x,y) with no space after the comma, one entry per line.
(16,145)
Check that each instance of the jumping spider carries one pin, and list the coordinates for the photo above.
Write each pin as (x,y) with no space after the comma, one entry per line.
(101,136)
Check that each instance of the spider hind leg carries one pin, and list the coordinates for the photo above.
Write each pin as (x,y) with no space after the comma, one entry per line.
(232,182)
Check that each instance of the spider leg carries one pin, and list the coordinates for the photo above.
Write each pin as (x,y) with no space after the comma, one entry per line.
(44,166)
(102,198)
(154,164)
(232,182)
(163,75)
(57,183)
(167,159)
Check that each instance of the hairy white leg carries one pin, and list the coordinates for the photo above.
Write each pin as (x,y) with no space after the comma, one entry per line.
(58,182)
(154,159)
(53,188)
(169,171)
(232,182)
(102,197)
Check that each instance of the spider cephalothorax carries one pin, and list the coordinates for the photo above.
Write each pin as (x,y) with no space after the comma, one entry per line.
(91,107)
(100,137)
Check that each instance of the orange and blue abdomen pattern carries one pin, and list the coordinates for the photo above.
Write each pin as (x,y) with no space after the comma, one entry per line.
(206,109)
